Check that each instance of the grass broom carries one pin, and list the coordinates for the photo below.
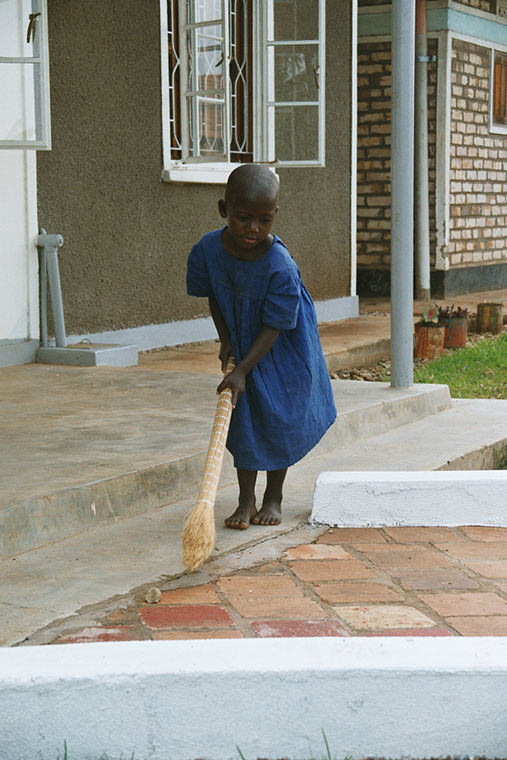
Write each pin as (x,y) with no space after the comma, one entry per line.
(199,529)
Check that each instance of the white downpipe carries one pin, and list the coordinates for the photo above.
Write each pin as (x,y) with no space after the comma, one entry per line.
(421,192)
(402,193)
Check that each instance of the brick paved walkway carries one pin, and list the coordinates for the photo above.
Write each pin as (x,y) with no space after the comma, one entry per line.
(349,582)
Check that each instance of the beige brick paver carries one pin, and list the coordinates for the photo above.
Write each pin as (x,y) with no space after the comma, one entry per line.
(402,556)
(349,592)
(476,549)
(410,535)
(493,625)
(194,595)
(434,579)
(489,568)
(480,533)
(169,635)
(267,607)
(255,586)
(351,536)
(317,551)
(383,616)
(331,570)
(474,603)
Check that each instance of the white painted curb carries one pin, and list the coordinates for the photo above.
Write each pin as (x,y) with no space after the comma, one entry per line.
(181,700)
(442,498)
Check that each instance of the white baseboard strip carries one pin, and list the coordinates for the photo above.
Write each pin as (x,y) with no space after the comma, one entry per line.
(147,337)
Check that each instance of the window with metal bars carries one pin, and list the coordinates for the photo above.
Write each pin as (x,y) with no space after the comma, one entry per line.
(242,81)
(213,118)
(499,106)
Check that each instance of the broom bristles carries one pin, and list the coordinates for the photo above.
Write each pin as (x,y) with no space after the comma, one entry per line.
(198,535)
(199,529)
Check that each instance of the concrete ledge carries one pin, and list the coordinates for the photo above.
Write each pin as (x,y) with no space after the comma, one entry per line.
(387,697)
(35,521)
(391,408)
(90,355)
(438,498)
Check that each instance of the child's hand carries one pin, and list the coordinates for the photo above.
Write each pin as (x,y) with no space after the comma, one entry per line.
(225,352)
(235,380)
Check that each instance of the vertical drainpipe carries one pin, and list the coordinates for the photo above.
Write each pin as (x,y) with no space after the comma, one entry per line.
(421,192)
(402,193)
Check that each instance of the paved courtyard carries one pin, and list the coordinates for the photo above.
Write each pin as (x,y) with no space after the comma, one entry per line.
(348,582)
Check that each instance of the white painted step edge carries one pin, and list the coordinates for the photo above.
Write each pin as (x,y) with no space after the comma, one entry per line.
(425,498)
(389,697)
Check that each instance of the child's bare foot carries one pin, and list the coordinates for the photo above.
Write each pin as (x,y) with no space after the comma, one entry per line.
(242,517)
(269,514)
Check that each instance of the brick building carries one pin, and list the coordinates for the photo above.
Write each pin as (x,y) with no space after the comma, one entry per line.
(467,145)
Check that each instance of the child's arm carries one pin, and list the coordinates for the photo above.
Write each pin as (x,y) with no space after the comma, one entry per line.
(223,332)
(259,348)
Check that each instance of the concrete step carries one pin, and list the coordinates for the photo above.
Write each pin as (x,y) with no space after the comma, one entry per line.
(108,561)
(111,446)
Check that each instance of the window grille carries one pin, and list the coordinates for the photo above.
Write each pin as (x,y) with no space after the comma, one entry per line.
(499,90)
(242,81)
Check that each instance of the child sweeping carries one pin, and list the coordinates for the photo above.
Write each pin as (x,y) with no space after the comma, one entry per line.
(265,318)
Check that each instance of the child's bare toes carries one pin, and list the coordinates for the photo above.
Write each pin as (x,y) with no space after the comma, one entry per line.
(269,514)
(241,518)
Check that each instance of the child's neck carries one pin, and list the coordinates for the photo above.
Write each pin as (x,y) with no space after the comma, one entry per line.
(245,254)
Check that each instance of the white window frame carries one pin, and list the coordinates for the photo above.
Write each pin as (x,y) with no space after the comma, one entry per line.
(41,90)
(497,129)
(217,172)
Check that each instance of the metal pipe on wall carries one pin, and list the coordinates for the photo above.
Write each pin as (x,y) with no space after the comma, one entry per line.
(48,251)
(402,193)
(421,191)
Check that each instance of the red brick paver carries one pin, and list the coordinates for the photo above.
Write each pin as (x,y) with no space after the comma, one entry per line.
(349,582)
(185,616)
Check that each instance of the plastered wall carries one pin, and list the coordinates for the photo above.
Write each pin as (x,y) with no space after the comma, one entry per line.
(127,234)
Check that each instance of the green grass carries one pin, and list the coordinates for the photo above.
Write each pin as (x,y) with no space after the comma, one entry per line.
(475,371)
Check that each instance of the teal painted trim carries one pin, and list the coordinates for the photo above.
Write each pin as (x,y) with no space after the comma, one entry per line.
(439,19)
(474,26)
(374,24)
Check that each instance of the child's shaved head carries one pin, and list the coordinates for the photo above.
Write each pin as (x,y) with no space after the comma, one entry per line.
(251,182)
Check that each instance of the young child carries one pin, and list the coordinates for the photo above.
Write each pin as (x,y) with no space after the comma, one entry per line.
(264,316)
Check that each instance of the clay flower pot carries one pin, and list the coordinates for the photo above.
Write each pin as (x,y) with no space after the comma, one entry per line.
(429,340)
(489,318)
(456,330)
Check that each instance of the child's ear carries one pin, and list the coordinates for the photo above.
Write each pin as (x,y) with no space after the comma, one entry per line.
(222,210)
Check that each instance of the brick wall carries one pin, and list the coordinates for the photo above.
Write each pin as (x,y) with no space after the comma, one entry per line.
(478,166)
(373,154)
(483,5)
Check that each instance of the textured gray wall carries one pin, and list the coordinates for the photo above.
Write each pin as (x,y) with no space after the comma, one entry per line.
(127,234)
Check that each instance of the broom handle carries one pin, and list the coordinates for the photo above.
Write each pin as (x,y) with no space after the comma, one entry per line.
(216,448)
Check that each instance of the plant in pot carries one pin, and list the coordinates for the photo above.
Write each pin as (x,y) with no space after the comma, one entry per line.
(429,335)
(455,321)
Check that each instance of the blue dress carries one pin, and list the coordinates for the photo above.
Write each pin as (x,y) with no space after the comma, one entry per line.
(288,402)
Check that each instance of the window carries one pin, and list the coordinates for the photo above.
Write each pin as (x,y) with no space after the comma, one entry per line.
(242,81)
(499,99)
(24,75)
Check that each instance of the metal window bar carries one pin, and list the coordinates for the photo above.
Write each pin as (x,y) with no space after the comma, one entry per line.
(210,114)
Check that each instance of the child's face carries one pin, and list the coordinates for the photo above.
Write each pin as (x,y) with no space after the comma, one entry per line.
(249,222)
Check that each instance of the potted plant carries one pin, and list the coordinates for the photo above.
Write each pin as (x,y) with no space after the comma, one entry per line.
(429,335)
(455,321)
